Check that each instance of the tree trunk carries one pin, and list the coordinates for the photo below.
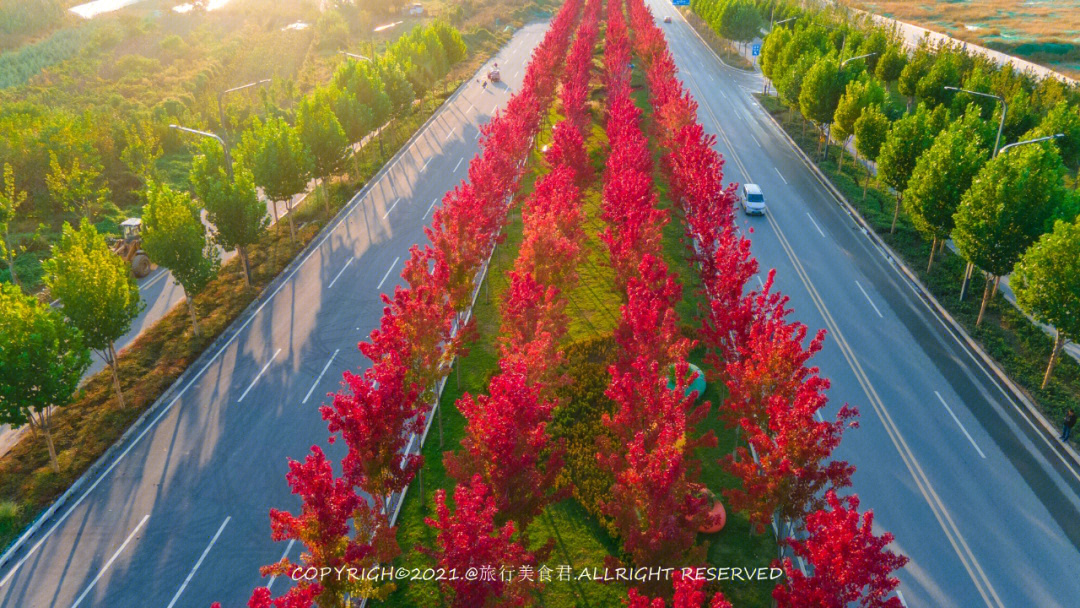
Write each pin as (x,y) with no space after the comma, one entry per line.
(11,262)
(242,252)
(275,211)
(1059,342)
(191,313)
(866,182)
(326,197)
(997,281)
(840,161)
(896,213)
(933,248)
(292,227)
(44,425)
(114,365)
(985,301)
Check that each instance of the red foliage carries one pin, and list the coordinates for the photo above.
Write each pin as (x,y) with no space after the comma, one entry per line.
(851,566)
(688,594)
(469,541)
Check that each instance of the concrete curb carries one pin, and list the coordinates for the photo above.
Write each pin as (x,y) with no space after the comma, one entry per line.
(956,328)
(214,349)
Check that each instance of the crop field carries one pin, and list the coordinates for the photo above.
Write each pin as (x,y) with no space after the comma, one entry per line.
(1043,31)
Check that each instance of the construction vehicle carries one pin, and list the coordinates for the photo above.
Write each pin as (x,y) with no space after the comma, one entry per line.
(494,75)
(129,247)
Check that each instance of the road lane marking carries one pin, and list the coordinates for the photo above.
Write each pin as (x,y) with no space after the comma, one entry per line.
(723,93)
(101,572)
(867,296)
(900,596)
(449,134)
(283,556)
(471,107)
(430,207)
(478,134)
(758,142)
(516,74)
(391,208)
(760,282)
(458,165)
(396,260)
(317,380)
(338,275)
(959,424)
(494,107)
(198,563)
(814,223)
(426,163)
(259,375)
(780,174)
(383,173)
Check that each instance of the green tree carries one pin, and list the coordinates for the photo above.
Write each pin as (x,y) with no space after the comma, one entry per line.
(10,199)
(324,138)
(891,64)
(141,150)
(820,93)
(739,21)
(942,175)
(1046,282)
(1010,204)
(95,287)
(1064,119)
(871,130)
(913,72)
(42,360)
(233,206)
(771,48)
(175,237)
(76,188)
(279,162)
(943,72)
(859,95)
(908,138)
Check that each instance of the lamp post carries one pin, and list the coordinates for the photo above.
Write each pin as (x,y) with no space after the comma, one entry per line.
(846,61)
(219,139)
(355,56)
(221,98)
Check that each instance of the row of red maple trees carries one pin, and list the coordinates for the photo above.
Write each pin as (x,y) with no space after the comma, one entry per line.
(344,520)
(774,396)
(508,463)
(507,468)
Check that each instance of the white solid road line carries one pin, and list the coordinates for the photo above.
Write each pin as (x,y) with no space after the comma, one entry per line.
(867,296)
(317,380)
(391,208)
(396,260)
(430,207)
(814,223)
(458,165)
(780,174)
(283,556)
(198,563)
(259,375)
(959,424)
(82,596)
(338,275)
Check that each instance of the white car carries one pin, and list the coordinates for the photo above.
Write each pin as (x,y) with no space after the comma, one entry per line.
(752,200)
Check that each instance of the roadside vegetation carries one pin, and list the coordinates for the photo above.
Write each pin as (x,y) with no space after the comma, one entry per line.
(357,105)
(910,137)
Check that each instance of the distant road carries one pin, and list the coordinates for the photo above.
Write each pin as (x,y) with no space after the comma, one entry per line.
(180,519)
(977,495)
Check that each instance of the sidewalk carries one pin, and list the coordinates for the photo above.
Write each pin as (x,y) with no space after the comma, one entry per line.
(160,294)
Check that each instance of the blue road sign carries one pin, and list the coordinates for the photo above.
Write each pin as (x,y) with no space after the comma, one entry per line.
(756,49)
(680,2)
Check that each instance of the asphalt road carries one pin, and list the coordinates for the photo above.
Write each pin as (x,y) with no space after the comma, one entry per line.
(180,518)
(977,495)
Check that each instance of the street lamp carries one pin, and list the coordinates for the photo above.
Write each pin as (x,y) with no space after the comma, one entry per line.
(783,21)
(355,56)
(1030,141)
(221,97)
(1004,110)
(845,62)
(224,146)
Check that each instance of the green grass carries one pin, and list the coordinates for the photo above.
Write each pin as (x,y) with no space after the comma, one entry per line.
(1021,348)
